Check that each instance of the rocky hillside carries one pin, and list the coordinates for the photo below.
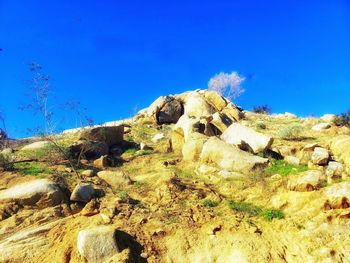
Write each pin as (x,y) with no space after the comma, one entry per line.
(192,178)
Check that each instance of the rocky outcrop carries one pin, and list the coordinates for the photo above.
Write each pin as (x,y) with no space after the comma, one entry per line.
(192,148)
(41,192)
(88,149)
(97,244)
(109,135)
(321,126)
(170,112)
(246,138)
(229,157)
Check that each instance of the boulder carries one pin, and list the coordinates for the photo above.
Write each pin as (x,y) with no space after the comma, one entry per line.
(242,136)
(83,192)
(221,121)
(97,244)
(229,157)
(215,100)
(338,196)
(36,146)
(306,181)
(187,125)
(292,160)
(196,106)
(170,112)
(109,135)
(320,156)
(340,147)
(114,178)
(42,192)
(88,149)
(334,169)
(7,152)
(321,126)
(153,109)
(192,148)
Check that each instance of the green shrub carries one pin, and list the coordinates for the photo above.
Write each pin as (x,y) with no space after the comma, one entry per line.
(34,169)
(284,169)
(131,151)
(292,133)
(261,125)
(245,208)
(6,162)
(342,119)
(210,203)
(270,214)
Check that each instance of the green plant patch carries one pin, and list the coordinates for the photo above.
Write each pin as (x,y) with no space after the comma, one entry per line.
(181,172)
(210,203)
(270,214)
(34,169)
(284,169)
(244,207)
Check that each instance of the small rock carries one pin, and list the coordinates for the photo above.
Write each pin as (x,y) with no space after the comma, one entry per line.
(83,192)
(321,126)
(91,208)
(334,169)
(101,162)
(292,160)
(114,178)
(88,173)
(320,156)
(144,146)
(310,146)
(97,244)
(157,137)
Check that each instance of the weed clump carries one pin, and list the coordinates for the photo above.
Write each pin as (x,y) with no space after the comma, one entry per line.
(210,203)
(284,169)
(292,133)
(262,109)
(270,214)
(342,119)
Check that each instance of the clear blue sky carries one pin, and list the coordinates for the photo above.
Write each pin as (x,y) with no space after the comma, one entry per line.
(114,55)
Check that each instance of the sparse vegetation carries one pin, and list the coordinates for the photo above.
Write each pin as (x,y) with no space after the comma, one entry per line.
(6,162)
(270,214)
(261,125)
(210,203)
(33,168)
(284,169)
(262,109)
(244,207)
(342,119)
(294,132)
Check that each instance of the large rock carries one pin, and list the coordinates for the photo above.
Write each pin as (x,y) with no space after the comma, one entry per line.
(196,106)
(221,121)
(170,112)
(114,178)
(320,156)
(36,145)
(328,118)
(242,136)
(97,244)
(340,147)
(306,181)
(321,126)
(334,169)
(338,196)
(108,134)
(89,149)
(229,157)
(215,100)
(83,192)
(192,148)
(42,192)
(187,125)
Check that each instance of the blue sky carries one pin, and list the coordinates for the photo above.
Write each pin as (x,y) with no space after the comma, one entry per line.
(115,55)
